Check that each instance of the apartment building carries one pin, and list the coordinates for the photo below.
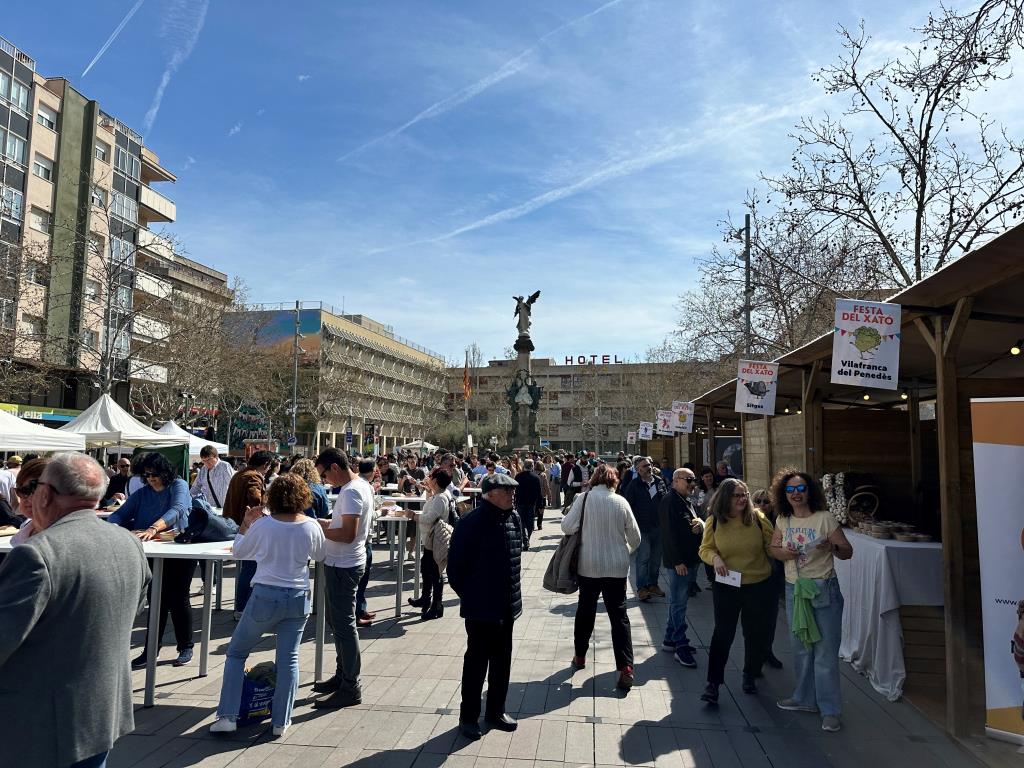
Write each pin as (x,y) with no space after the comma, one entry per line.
(357,376)
(89,279)
(588,401)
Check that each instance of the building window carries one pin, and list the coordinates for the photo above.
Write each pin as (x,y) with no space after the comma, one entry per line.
(31,326)
(7,314)
(12,204)
(127,163)
(46,117)
(19,95)
(90,339)
(126,208)
(98,196)
(95,244)
(12,146)
(34,273)
(102,151)
(40,220)
(42,167)
(552,396)
(5,85)
(122,252)
(123,297)
(567,414)
(92,290)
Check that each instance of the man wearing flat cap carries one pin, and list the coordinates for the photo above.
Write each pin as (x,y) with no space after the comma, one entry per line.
(483,569)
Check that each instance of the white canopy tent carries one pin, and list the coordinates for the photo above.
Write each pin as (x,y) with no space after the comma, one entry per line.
(195,444)
(419,447)
(22,436)
(105,424)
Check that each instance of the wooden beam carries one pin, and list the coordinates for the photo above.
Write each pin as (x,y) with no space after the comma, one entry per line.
(769,450)
(810,380)
(812,407)
(957,326)
(916,488)
(957,694)
(711,437)
(926,332)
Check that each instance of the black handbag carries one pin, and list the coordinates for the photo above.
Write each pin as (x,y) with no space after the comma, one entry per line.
(205,526)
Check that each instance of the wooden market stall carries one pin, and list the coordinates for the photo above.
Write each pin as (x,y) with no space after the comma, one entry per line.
(914,443)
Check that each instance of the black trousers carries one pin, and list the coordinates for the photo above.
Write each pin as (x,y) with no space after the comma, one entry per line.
(488,654)
(570,494)
(750,604)
(613,591)
(174,599)
(433,587)
(526,515)
(778,580)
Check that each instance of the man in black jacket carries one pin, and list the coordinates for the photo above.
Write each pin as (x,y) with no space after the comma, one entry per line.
(483,569)
(681,534)
(644,493)
(529,500)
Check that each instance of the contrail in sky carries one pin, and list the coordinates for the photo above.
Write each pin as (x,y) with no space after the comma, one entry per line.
(113,35)
(181,24)
(509,68)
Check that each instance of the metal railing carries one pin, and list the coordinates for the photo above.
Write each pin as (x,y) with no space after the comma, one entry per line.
(118,125)
(10,49)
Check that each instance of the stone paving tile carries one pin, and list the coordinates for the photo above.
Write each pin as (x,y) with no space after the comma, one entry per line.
(411,694)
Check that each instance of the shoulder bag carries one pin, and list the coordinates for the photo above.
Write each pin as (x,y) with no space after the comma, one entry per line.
(562,574)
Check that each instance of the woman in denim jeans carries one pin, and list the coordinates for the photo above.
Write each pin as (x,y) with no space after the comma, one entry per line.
(807,539)
(281,544)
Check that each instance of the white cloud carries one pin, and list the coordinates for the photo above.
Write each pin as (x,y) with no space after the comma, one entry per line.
(260,112)
(180,25)
(189,162)
(235,129)
(303,78)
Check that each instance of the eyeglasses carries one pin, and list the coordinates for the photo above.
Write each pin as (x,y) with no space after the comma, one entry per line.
(796,488)
(148,475)
(741,495)
(28,489)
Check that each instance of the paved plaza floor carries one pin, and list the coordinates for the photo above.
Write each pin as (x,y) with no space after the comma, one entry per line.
(409,714)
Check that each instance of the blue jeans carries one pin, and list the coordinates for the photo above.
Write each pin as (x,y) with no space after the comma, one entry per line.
(96,761)
(647,559)
(243,583)
(817,670)
(281,610)
(678,598)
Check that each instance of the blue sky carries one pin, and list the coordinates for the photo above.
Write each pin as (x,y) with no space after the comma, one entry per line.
(423,161)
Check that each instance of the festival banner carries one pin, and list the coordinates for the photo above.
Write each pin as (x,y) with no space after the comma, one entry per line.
(683,413)
(756,386)
(646,430)
(998,436)
(866,344)
(631,437)
(663,425)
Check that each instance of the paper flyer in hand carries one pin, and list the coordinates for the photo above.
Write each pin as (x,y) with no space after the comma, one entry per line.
(866,344)
(683,413)
(733,579)
(756,386)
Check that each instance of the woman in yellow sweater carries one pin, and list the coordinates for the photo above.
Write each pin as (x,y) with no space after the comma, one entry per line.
(736,538)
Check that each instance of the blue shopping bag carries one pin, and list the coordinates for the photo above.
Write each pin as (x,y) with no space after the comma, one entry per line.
(258,693)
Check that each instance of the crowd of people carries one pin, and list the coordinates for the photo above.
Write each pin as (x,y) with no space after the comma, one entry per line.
(639,521)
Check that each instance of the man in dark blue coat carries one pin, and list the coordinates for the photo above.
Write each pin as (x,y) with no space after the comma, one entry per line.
(483,569)
(644,494)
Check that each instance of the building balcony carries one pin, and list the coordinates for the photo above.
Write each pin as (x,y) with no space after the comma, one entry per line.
(152,171)
(156,244)
(155,207)
(153,285)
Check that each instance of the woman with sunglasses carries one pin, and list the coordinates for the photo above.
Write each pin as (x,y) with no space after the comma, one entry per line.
(163,504)
(807,540)
(736,538)
(28,479)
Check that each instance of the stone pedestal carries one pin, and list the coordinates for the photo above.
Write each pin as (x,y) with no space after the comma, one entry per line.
(523,431)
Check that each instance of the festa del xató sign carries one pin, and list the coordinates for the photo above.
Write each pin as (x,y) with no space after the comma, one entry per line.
(646,430)
(682,412)
(756,386)
(663,425)
(866,344)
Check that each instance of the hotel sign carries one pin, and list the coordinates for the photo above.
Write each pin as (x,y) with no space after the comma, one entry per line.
(592,359)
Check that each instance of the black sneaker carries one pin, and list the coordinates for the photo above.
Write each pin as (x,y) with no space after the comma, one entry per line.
(139,662)
(749,685)
(710,694)
(339,699)
(330,685)
(184,657)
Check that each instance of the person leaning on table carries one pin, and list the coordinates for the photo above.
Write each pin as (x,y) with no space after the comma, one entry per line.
(69,596)
(807,540)
(162,504)
(736,537)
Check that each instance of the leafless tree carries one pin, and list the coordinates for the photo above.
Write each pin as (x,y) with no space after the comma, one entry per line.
(910,166)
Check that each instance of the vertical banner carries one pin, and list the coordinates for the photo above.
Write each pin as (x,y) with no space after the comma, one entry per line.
(998,436)
(866,344)
(631,437)
(646,430)
(664,423)
(683,412)
(756,386)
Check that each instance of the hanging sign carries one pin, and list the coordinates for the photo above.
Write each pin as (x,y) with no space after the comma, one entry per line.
(646,430)
(683,413)
(756,386)
(663,424)
(866,344)
(631,437)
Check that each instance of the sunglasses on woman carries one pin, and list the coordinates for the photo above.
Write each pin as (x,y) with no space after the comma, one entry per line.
(28,489)
(796,488)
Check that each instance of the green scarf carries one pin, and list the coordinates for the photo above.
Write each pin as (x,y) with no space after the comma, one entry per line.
(804,626)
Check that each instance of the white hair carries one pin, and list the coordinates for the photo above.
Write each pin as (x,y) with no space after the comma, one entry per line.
(76,474)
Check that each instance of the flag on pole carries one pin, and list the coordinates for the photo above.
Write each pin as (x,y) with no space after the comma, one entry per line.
(467,388)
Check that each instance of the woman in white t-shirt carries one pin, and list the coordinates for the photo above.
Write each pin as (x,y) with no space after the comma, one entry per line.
(282,545)
(807,539)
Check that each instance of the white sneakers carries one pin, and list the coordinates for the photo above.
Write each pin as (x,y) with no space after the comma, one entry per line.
(280,730)
(224,725)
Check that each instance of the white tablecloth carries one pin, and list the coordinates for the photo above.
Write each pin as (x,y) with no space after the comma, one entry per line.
(882,575)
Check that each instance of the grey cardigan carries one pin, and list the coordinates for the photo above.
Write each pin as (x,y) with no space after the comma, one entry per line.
(68,599)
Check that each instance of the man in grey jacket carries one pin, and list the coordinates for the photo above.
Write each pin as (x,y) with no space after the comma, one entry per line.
(68,599)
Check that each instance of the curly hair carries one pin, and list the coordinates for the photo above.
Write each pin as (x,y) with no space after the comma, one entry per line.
(289,494)
(157,464)
(306,469)
(815,496)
